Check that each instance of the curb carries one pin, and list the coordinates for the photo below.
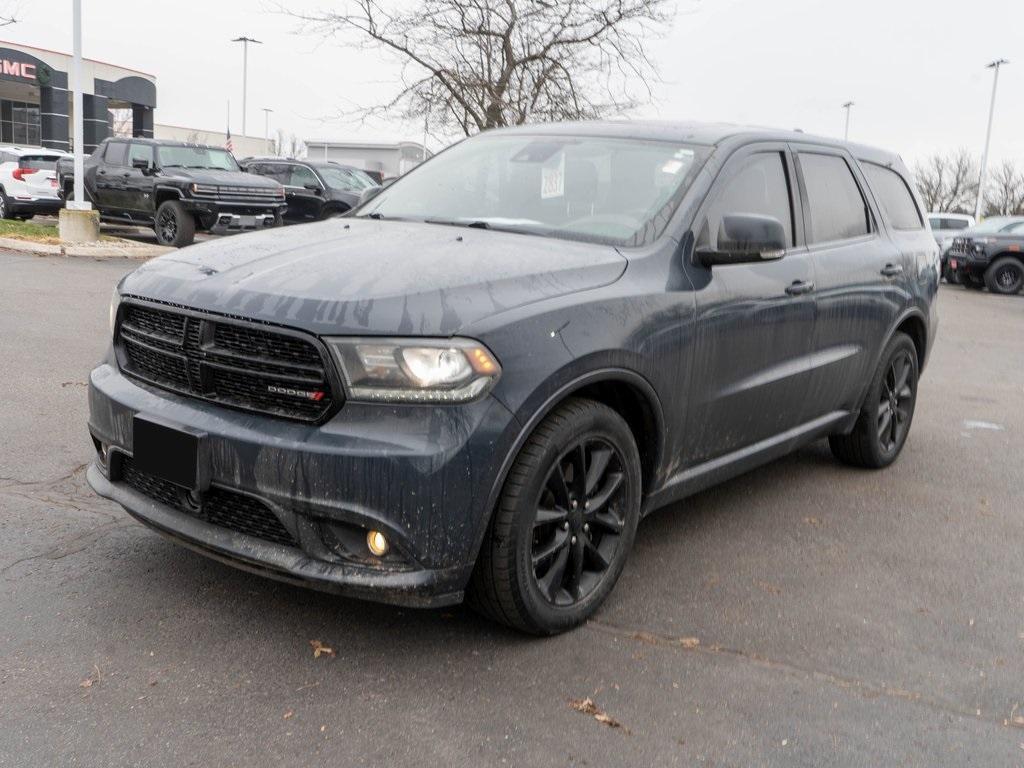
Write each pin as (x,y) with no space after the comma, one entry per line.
(98,251)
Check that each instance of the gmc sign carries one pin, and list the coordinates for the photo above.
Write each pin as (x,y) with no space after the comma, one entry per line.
(18,69)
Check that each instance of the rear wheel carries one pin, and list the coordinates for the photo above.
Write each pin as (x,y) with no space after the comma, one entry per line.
(564,524)
(5,206)
(174,225)
(884,421)
(1005,276)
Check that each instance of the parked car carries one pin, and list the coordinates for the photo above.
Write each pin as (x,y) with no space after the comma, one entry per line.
(477,384)
(28,182)
(176,188)
(990,254)
(946,226)
(313,189)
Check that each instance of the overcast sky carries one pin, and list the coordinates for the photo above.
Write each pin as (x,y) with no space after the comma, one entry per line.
(915,68)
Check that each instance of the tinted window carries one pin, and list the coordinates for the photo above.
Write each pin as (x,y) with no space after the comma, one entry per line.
(837,208)
(302,176)
(116,152)
(955,223)
(38,162)
(140,152)
(894,197)
(761,188)
(279,172)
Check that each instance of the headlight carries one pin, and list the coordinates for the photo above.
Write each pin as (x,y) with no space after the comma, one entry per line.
(115,302)
(415,370)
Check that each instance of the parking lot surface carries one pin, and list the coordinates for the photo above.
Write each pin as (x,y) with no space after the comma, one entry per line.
(805,614)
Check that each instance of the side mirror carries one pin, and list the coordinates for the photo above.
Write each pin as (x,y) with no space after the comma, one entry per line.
(368,194)
(141,164)
(746,238)
(314,188)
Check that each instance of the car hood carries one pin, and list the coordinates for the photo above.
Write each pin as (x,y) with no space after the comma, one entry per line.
(356,276)
(223,178)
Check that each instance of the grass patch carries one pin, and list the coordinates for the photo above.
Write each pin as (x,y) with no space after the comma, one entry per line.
(27,230)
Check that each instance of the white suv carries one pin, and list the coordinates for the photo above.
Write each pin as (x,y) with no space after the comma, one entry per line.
(28,182)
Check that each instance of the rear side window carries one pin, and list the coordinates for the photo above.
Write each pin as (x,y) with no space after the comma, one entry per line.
(894,197)
(760,187)
(116,152)
(837,207)
(38,162)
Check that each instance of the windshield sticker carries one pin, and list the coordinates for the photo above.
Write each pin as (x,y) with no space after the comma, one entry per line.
(552,179)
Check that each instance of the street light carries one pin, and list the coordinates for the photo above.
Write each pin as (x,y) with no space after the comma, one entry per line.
(266,129)
(245,71)
(846,134)
(995,65)
(79,203)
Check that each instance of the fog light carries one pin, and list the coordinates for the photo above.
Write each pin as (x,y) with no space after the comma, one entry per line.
(377,543)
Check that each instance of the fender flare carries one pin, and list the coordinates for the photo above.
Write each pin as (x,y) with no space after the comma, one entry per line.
(566,389)
(913,311)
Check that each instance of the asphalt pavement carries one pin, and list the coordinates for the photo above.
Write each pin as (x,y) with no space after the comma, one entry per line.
(806,614)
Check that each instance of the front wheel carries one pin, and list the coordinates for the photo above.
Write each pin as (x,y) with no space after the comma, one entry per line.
(884,422)
(175,226)
(564,524)
(1005,276)
(5,206)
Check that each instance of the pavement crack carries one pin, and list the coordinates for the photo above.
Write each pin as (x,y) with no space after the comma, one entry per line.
(71,546)
(865,689)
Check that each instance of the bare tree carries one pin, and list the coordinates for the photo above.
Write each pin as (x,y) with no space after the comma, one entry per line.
(948,183)
(288,146)
(1004,195)
(8,14)
(470,65)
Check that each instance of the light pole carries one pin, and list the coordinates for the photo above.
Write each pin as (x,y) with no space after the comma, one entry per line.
(79,203)
(245,71)
(995,65)
(266,129)
(846,134)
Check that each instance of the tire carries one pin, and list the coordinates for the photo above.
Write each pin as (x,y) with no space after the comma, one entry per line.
(884,422)
(547,561)
(1005,275)
(174,226)
(5,206)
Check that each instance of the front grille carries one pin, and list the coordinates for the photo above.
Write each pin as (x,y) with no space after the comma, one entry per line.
(231,193)
(224,361)
(961,245)
(221,507)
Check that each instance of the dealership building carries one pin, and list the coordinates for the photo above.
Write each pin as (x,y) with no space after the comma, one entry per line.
(35,100)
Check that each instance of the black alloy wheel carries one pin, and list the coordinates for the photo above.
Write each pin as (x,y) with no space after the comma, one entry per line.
(167,225)
(564,524)
(578,522)
(896,403)
(1005,276)
(884,421)
(5,208)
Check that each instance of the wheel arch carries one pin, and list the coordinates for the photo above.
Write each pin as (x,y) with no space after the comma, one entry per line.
(626,392)
(162,194)
(912,322)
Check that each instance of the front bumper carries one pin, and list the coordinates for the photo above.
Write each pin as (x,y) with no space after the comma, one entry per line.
(422,475)
(973,264)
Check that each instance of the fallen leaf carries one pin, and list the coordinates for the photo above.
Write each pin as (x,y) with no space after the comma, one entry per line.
(588,707)
(689,642)
(812,521)
(289,714)
(94,678)
(771,589)
(319,649)
(87,683)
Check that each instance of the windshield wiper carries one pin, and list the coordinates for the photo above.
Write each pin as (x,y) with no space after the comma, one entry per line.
(456,223)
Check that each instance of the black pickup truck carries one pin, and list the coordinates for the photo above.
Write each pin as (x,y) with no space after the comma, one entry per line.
(990,254)
(176,188)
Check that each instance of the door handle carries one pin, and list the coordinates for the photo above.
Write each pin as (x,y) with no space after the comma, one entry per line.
(799,287)
(101,172)
(891,270)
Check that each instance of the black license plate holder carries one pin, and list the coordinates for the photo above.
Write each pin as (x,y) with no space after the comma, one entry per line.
(170,452)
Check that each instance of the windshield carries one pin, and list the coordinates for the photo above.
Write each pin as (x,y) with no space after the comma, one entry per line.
(196,157)
(617,191)
(997,224)
(343,178)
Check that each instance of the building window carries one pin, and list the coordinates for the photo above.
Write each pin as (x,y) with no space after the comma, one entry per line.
(19,123)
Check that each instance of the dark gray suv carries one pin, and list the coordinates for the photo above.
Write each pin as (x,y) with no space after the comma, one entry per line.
(478,385)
